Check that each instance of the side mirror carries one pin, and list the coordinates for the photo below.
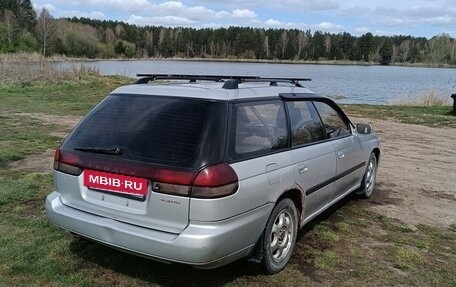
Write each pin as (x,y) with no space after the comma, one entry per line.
(364,129)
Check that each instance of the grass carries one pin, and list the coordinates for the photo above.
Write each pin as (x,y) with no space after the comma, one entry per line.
(327,260)
(18,139)
(348,245)
(432,116)
(66,98)
(406,258)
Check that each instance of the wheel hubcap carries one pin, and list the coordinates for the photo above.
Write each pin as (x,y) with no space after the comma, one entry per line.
(370,176)
(281,236)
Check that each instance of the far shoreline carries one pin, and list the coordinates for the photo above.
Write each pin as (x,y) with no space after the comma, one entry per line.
(34,57)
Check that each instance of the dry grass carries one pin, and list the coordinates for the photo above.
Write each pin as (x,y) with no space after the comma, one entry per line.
(431,97)
(27,73)
(31,57)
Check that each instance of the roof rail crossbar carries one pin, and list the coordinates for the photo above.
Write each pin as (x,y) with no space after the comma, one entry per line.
(234,84)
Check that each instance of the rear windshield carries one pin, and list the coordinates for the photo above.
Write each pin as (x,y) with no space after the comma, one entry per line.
(162,130)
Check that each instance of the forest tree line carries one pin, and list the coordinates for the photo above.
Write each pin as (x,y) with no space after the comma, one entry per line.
(22,29)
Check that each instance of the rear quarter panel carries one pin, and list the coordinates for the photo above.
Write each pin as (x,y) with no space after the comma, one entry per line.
(254,190)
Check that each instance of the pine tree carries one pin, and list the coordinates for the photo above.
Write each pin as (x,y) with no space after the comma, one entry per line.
(22,10)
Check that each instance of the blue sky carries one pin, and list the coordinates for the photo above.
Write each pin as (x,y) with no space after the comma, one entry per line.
(388,17)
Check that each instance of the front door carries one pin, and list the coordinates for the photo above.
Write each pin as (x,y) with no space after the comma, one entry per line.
(350,165)
(313,156)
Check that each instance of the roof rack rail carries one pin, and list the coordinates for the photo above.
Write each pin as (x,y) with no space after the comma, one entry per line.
(231,82)
(145,78)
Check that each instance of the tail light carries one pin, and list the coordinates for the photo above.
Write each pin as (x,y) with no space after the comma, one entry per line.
(212,182)
(215,181)
(66,164)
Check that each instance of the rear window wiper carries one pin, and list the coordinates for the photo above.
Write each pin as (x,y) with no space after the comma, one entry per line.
(114,150)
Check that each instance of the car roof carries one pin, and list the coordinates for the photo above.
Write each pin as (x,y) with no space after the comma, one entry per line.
(214,90)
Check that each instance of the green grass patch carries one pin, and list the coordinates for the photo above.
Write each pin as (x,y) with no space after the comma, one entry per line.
(412,240)
(329,235)
(20,187)
(327,260)
(67,98)
(343,226)
(433,116)
(406,258)
(21,135)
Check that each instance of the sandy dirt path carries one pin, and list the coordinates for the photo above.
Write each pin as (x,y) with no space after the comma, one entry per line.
(416,182)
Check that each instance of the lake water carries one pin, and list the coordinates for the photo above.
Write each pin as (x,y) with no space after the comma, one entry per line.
(350,84)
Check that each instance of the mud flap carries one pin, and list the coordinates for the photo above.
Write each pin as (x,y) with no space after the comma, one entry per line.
(257,253)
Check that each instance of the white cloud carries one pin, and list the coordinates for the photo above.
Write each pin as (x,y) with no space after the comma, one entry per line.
(119,5)
(160,20)
(291,5)
(51,8)
(244,13)
(74,13)
(307,6)
(323,26)
(57,13)
(272,23)
(328,26)
(362,29)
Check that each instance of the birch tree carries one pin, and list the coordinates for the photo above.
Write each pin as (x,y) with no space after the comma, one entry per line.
(45,28)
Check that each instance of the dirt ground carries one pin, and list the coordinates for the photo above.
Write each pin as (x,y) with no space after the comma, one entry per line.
(416,182)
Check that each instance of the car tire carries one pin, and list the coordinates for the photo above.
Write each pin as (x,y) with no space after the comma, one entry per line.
(279,236)
(368,183)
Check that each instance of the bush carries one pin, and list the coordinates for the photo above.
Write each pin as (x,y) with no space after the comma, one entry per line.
(106,51)
(26,42)
(125,48)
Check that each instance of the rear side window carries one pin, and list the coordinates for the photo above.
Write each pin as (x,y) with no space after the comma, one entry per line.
(153,129)
(305,123)
(257,129)
(333,123)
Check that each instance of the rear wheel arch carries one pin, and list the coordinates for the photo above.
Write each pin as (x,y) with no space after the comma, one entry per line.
(298,198)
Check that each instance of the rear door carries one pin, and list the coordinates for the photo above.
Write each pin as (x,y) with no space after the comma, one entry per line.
(313,156)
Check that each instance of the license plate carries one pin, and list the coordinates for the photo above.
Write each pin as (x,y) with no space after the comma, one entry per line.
(115,182)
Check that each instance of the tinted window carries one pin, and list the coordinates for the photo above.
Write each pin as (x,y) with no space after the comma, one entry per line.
(149,128)
(257,128)
(306,126)
(333,123)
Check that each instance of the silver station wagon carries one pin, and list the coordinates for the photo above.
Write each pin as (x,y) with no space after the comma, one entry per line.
(204,170)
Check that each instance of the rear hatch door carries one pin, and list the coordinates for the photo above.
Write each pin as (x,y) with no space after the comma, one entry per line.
(129,147)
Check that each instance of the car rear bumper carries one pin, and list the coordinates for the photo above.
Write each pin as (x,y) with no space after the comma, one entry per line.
(201,244)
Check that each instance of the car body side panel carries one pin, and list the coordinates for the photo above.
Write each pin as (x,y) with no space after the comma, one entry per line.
(255,188)
(351,162)
(313,166)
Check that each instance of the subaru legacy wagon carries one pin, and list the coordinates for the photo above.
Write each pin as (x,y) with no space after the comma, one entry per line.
(204,170)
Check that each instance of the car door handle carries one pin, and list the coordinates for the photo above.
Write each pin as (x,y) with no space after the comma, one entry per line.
(302,168)
(340,155)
